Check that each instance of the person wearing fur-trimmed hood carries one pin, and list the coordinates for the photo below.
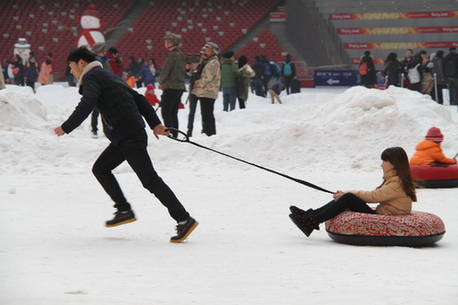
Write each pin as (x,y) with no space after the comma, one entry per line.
(124,112)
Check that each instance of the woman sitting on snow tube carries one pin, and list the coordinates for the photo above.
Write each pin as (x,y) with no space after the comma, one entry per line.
(429,151)
(395,195)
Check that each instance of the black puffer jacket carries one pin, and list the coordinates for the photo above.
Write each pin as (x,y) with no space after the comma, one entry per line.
(121,107)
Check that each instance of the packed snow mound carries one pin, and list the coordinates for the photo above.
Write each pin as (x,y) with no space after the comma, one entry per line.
(349,130)
(359,104)
(21,109)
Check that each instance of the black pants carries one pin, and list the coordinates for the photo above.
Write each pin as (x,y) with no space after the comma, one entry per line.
(241,103)
(133,150)
(334,208)
(31,84)
(193,99)
(207,106)
(288,80)
(416,87)
(170,103)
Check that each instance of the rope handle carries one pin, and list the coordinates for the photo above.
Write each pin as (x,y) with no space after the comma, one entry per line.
(187,140)
(186,137)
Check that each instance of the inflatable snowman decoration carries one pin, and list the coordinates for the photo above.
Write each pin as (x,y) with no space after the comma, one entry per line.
(21,48)
(91,33)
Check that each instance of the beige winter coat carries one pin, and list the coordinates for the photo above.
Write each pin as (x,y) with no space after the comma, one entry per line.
(2,81)
(208,84)
(391,196)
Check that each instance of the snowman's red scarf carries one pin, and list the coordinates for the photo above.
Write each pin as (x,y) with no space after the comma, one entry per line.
(87,34)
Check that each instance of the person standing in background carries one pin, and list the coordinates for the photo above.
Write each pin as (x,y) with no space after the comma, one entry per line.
(43,77)
(229,73)
(51,73)
(171,81)
(288,71)
(31,73)
(367,70)
(441,82)
(259,70)
(115,61)
(451,73)
(391,71)
(207,86)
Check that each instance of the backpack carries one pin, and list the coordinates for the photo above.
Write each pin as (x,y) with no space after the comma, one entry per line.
(287,69)
(363,69)
(450,69)
(413,75)
(267,71)
(276,70)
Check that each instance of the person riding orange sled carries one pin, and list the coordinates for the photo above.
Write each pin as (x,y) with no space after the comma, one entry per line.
(429,151)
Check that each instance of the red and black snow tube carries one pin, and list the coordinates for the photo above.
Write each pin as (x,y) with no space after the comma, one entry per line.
(435,176)
(413,230)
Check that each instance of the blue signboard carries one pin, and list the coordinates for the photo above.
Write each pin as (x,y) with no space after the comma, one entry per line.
(335,78)
(343,78)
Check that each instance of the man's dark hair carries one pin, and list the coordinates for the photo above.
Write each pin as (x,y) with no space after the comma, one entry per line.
(81,53)
(113,50)
(228,54)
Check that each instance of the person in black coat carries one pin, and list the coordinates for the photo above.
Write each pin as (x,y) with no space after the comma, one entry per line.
(31,73)
(414,71)
(288,71)
(391,71)
(368,75)
(452,80)
(123,111)
(258,68)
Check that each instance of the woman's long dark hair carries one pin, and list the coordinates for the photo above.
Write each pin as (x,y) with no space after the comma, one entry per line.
(242,60)
(398,157)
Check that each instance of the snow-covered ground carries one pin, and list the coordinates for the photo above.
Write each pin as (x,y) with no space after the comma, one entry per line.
(54,248)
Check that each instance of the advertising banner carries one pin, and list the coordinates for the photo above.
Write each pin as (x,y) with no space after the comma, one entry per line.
(377,16)
(390,31)
(400,45)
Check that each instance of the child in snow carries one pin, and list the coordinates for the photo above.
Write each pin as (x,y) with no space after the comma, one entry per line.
(150,96)
(429,150)
(395,195)
(131,80)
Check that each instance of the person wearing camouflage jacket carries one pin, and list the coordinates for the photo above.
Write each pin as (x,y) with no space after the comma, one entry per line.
(207,88)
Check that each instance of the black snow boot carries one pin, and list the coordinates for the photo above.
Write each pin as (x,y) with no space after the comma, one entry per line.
(184,230)
(121,218)
(299,213)
(306,223)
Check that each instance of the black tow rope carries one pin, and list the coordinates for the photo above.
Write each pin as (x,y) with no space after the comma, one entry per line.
(186,140)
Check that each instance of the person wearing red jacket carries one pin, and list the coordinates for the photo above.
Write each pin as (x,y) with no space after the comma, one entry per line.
(150,96)
(429,150)
(115,61)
